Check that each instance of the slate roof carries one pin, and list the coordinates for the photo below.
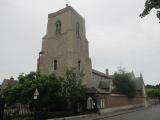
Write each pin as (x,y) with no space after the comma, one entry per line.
(94,90)
(102,81)
(100,74)
(104,84)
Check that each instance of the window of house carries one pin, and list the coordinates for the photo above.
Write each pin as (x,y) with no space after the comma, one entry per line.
(55,64)
(78,30)
(102,103)
(58,27)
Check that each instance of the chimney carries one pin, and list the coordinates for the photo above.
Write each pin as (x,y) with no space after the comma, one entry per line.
(107,72)
(141,76)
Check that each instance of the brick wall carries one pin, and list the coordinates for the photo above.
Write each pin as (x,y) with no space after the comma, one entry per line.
(119,100)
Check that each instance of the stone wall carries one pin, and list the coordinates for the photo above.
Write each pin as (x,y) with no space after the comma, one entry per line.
(66,48)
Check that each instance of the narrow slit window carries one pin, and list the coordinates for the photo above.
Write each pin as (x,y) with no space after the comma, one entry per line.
(55,64)
(79,65)
(78,30)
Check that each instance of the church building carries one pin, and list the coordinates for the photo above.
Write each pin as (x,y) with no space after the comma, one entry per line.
(65,46)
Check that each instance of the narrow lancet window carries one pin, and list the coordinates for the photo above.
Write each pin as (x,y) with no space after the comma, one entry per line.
(78,30)
(55,65)
(58,27)
(79,65)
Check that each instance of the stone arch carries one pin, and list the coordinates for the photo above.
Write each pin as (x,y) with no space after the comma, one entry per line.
(90,103)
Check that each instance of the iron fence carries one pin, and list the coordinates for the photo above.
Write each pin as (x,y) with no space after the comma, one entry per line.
(26,112)
(17,112)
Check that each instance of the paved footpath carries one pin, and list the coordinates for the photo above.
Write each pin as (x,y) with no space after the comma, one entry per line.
(150,113)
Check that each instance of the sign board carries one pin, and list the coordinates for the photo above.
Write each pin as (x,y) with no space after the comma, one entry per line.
(35,97)
(36,93)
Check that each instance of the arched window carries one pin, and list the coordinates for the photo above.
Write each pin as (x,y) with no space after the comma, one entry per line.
(55,65)
(78,30)
(102,103)
(58,27)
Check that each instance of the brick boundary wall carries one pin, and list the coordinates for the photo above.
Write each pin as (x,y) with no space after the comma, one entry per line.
(114,100)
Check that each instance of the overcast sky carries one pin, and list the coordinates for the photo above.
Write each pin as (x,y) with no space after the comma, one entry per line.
(116,34)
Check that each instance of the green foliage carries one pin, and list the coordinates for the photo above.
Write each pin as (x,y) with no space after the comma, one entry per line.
(153,93)
(74,91)
(152,86)
(49,87)
(124,85)
(54,92)
(149,5)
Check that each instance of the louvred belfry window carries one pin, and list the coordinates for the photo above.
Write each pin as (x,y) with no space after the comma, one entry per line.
(78,30)
(58,27)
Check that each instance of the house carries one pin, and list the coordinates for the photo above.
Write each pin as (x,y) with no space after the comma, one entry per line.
(101,97)
(8,82)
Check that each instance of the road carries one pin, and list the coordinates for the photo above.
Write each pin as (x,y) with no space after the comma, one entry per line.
(151,113)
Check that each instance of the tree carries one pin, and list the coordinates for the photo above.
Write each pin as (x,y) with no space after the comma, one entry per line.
(153,86)
(54,91)
(123,84)
(153,93)
(74,90)
(149,5)
(49,87)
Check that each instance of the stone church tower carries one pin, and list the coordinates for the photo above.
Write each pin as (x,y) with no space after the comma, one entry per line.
(65,45)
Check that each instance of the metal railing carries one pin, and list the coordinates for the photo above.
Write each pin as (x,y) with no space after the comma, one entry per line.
(17,112)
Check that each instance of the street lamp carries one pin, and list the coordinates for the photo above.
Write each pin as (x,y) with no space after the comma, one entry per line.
(40,53)
(2,104)
(35,97)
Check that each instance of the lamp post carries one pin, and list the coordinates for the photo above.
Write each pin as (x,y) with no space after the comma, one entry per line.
(40,53)
(2,104)
(35,97)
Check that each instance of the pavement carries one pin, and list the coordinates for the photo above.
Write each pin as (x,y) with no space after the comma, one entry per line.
(151,113)
(103,115)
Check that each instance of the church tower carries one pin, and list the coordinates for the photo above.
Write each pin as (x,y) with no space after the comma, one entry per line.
(65,45)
